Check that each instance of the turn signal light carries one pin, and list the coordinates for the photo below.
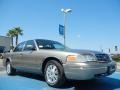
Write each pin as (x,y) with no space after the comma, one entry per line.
(71,58)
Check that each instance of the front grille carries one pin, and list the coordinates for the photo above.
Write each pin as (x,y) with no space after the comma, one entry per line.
(102,57)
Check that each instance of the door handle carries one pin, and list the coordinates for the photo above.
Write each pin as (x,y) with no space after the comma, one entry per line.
(21,54)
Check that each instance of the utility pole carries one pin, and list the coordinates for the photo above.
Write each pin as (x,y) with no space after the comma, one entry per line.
(65,11)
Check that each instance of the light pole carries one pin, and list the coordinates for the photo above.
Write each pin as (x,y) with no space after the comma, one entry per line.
(65,11)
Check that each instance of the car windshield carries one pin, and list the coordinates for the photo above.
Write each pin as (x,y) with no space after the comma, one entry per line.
(48,44)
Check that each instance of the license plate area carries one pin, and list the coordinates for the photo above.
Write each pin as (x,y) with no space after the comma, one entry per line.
(110,69)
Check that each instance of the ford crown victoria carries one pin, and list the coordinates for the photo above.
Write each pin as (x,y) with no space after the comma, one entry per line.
(57,62)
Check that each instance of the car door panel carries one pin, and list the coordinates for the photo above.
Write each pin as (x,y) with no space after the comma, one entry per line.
(16,55)
(30,58)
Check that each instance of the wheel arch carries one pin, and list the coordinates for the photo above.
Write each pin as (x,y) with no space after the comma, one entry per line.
(48,59)
(7,60)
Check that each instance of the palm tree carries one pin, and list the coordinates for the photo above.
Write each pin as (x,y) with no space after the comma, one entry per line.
(15,32)
(18,31)
(11,33)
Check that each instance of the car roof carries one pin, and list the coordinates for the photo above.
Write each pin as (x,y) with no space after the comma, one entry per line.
(46,40)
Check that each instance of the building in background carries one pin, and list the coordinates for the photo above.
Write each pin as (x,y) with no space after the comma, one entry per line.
(5,44)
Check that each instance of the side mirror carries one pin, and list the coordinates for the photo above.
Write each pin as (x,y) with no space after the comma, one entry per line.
(11,50)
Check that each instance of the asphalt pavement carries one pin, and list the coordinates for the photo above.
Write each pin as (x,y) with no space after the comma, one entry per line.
(26,81)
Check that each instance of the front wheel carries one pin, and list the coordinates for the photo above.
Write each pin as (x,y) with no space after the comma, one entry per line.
(54,74)
(9,69)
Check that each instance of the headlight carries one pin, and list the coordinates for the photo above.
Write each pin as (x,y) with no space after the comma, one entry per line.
(86,57)
(90,57)
(81,58)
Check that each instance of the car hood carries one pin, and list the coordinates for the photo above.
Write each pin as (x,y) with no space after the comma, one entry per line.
(81,51)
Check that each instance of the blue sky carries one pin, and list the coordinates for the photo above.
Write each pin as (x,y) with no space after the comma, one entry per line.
(93,24)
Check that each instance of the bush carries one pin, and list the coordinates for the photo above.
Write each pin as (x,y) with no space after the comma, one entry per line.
(116,57)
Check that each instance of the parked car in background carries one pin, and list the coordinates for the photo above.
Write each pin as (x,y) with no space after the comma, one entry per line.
(1,51)
(57,62)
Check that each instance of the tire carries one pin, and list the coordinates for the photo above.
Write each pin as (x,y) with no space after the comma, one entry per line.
(54,74)
(9,69)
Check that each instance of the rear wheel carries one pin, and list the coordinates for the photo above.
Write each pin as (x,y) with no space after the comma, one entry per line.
(9,69)
(54,74)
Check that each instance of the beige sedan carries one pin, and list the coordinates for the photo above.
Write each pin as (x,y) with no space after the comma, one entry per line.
(57,62)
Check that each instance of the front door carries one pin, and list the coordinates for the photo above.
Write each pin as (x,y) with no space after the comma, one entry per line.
(30,56)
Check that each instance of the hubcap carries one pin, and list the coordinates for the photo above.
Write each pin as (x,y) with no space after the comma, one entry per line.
(52,74)
(8,69)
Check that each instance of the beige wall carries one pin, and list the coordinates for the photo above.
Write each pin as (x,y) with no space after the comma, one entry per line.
(5,41)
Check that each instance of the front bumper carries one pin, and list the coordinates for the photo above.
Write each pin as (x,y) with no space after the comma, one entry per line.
(88,70)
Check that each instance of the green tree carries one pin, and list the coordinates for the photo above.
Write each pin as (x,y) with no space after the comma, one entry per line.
(15,32)
(11,33)
(18,31)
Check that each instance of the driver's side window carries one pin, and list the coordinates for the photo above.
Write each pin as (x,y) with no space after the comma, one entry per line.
(30,45)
